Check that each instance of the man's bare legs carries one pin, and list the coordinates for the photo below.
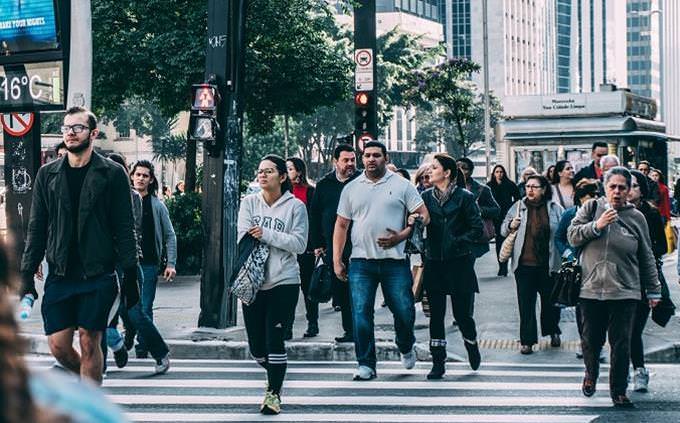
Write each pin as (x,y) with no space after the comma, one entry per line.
(89,363)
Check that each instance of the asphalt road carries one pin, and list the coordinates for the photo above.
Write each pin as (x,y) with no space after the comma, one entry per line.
(210,391)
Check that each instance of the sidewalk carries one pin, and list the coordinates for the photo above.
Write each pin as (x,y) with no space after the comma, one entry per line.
(177,307)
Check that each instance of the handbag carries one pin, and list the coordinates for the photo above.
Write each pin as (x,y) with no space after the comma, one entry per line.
(662,313)
(488,230)
(250,276)
(321,282)
(415,244)
(567,286)
(509,242)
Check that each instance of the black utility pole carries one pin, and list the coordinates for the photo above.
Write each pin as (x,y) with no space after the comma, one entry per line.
(366,81)
(21,134)
(225,67)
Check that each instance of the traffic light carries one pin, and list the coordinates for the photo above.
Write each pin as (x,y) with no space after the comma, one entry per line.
(203,125)
(364,104)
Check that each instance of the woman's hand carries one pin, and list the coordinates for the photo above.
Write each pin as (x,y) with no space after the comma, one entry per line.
(514,223)
(256,232)
(606,219)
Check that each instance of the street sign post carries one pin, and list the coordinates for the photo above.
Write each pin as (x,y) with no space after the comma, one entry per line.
(365,77)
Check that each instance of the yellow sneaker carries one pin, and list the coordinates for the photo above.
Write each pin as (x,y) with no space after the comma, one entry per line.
(271,404)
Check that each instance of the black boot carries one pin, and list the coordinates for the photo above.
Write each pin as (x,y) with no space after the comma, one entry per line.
(474,357)
(312,330)
(438,363)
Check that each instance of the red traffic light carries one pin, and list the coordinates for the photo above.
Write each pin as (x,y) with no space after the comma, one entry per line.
(361,99)
(205,97)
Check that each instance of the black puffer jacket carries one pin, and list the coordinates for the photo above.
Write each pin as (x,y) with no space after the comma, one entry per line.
(453,227)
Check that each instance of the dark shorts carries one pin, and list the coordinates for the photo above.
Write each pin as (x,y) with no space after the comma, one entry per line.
(88,310)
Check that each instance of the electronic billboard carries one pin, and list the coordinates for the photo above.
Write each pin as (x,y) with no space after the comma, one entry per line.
(28,26)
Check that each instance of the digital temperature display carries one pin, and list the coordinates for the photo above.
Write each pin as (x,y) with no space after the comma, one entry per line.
(40,86)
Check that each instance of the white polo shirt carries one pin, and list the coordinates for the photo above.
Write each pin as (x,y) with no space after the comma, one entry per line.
(374,207)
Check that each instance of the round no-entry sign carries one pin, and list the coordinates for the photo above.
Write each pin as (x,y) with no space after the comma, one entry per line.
(17,124)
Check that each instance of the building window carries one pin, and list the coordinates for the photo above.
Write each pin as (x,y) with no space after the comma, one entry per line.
(123,132)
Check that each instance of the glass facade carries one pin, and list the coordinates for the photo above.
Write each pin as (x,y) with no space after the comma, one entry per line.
(428,9)
(642,63)
(563,17)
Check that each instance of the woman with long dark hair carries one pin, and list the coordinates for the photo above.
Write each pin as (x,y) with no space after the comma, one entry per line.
(563,184)
(279,220)
(506,193)
(639,197)
(304,191)
(535,259)
(454,226)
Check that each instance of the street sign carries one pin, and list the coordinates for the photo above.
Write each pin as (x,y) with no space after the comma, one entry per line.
(17,124)
(363,140)
(363,75)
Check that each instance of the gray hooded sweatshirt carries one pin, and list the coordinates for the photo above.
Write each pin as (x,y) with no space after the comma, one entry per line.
(617,262)
(284,228)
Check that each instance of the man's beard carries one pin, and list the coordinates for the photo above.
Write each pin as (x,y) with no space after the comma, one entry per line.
(80,147)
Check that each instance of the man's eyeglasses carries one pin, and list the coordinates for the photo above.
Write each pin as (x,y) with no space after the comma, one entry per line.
(77,128)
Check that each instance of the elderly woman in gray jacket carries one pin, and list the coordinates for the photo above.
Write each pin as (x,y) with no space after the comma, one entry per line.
(534,259)
(617,263)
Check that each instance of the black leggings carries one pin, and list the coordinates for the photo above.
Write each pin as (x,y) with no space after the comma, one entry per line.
(306,262)
(637,352)
(265,322)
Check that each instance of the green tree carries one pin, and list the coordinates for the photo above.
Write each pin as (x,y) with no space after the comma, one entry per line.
(155,50)
(447,91)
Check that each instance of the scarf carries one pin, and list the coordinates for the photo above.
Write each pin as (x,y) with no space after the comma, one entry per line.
(443,196)
(536,250)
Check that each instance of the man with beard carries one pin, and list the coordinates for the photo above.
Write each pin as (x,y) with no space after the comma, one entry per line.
(322,214)
(81,221)
(376,203)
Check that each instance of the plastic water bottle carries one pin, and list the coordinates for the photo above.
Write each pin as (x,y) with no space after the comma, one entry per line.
(26,306)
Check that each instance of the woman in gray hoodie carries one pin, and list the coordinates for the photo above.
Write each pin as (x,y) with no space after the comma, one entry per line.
(279,220)
(618,263)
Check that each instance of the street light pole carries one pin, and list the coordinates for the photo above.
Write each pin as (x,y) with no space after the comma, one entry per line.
(487,116)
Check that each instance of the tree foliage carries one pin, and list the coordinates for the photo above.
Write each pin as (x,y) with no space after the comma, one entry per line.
(447,92)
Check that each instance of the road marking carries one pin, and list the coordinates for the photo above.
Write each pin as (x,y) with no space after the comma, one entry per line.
(397,418)
(350,371)
(396,401)
(328,384)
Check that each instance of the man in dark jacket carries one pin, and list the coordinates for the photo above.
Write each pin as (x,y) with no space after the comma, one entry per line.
(81,221)
(488,207)
(593,170)
(322,214)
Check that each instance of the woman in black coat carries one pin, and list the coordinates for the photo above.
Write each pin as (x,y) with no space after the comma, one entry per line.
(506,193)
(639,195)
(455,224)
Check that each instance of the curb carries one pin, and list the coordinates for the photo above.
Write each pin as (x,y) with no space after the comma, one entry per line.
(669,353)
(238,350)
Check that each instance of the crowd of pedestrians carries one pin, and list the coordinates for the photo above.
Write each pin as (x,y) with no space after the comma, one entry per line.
(106,237)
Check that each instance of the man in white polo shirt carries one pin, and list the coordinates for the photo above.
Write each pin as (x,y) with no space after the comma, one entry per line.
(376,204)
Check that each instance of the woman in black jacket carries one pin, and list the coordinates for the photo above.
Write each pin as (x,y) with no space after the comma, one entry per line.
(639,196)
(506,193)
(455,224)
(303,191)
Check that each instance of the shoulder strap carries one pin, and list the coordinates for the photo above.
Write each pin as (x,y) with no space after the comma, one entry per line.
(559,194)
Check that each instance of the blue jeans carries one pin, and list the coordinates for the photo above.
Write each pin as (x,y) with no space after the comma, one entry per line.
(136,320)
(396,281)
(148,288)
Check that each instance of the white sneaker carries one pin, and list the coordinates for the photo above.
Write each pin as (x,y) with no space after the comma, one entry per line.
(162,365)
(364,373)
(408,360)
(640,379)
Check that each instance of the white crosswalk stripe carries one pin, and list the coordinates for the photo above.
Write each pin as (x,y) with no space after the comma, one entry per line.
(231,391)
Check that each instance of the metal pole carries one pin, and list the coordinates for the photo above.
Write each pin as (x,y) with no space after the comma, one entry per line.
(224,66)
(487,117)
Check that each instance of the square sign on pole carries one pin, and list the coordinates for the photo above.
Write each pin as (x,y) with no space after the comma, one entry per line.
(363,76)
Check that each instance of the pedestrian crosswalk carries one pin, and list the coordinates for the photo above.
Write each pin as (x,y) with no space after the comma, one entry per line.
(231,391)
